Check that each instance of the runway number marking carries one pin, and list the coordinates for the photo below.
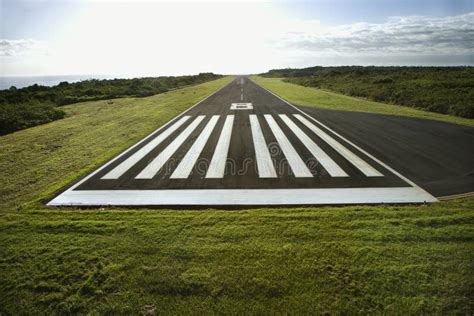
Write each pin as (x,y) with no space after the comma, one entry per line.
(241,106)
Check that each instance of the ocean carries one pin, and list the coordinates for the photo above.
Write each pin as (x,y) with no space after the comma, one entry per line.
(25,81)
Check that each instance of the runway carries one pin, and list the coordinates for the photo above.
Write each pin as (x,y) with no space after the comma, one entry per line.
(244,146)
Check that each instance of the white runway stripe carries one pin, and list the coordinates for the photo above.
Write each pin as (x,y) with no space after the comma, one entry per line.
(186,165)
(297,164)
(264,160)
(330,165)
(364,167)
(150,170)
(133,159)
(219,158)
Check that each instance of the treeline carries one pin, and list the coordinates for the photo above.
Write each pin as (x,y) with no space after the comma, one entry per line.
(447,90)
(36,104)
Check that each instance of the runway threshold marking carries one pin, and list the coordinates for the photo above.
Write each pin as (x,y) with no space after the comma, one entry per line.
(360,164)
(264,160)
(136,157)
(328,164)
(297,165)
(187,163)
(150,170)
(217,166)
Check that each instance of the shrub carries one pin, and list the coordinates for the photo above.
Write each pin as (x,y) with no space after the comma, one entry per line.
(448,90)
(14,117)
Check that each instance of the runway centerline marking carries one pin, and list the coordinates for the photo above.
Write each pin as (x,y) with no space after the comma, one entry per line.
(360,164)
(217,166)
(330,165)
(136,157)
(264,160)
(150,170)
(297,164)
(186,165)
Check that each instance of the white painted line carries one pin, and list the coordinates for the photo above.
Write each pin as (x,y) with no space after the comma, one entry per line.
(219,158)
(264,160)
(360,164)
(330,165)
(186,165)
(297,164)
(155,166)
(243,197)
(118,171)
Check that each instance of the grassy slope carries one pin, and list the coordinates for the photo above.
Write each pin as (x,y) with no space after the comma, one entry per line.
(410,259)
(308,96)
(47,157)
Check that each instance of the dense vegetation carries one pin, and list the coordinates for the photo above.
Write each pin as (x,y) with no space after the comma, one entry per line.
(34,105)
(382,259)
(447,90)
(313,97)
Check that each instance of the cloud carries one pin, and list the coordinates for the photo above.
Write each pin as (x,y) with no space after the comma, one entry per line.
(152,42)
(21,47)
(399,36)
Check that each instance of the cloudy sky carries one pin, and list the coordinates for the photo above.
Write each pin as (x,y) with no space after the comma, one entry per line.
(131,38)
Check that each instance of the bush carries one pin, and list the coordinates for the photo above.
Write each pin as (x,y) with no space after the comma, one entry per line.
(383,80)
(14,117)
(448,90)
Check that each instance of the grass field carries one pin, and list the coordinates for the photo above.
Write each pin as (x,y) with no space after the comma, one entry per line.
(341,260)
(309,96)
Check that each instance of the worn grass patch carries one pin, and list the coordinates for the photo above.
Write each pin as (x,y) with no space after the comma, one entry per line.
(341,260)
(309,96)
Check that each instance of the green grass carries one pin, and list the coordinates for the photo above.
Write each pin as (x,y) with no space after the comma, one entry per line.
(396,260)
(341,260)
(309,96)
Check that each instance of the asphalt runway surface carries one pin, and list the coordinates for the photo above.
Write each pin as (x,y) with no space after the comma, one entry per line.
(437,156)
(245,146)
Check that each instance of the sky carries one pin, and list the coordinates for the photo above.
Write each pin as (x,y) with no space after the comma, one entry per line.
(151,37)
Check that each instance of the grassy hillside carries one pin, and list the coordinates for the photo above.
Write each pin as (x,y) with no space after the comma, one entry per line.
(53,154)
(446,90)
(377,259)
(35,105)
(310,96)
